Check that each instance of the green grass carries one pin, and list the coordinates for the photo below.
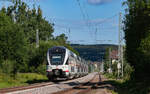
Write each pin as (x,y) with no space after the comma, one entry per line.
(128,87)
(22,79)
(109,76)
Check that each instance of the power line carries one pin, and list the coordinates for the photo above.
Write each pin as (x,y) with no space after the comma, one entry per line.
(107,19)
(82,12)
(85,16)
(77,22)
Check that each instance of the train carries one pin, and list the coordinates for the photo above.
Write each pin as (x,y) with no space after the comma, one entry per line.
(63,63)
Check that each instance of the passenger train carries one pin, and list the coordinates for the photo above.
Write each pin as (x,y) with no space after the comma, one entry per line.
(63,63)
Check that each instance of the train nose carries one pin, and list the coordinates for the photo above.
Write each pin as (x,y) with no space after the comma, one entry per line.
(57,72)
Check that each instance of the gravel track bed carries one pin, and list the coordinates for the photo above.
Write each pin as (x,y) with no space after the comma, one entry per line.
(50,87)
(82,88)
(96,85)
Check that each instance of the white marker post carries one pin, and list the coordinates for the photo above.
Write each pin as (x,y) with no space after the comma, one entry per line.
(118,67)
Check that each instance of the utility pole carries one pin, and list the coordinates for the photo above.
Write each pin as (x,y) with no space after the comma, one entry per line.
(122,59)
(120,49)
(110,70)
(37,38)
(121,44)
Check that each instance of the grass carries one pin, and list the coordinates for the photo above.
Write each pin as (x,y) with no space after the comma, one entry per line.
(22,79)
(128,87)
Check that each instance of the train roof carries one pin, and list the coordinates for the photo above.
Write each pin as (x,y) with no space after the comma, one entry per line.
(62,47)
(70,52)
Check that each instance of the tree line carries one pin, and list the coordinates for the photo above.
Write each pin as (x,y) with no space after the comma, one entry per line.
(18,51)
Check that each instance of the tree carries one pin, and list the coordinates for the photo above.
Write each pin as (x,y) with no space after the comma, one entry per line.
(30,20)
(12,43)
(18,25)
(137,33)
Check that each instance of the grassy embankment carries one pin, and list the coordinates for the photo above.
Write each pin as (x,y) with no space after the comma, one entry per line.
(22,79)
(128,87)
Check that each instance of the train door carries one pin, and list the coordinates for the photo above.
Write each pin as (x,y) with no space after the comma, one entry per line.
(71,66)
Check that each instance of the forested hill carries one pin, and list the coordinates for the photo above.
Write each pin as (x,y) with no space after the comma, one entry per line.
(93,52)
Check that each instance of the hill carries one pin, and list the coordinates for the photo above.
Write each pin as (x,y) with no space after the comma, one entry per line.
(93,52)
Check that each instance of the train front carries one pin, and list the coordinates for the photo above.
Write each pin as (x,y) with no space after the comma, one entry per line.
(56,63)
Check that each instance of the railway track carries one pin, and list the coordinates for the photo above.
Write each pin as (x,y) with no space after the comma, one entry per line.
(36,85)
(7,90)
(83,88)
(50,87)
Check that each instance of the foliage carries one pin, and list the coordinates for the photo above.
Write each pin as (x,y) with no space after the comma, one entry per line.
(128,87)
(22,79)
(12,44)
(106,66)
(30,20)
(128,70)
(107,62)
(41,69)
(137,36)
(18,26)
(137,33)
(8,66)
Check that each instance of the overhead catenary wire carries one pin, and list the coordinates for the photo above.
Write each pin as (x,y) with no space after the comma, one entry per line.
(82,12)
(106,19)
(85,16)
(73,24)
(76,23)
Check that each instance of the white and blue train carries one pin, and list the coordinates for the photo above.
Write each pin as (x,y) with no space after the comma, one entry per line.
(63,63)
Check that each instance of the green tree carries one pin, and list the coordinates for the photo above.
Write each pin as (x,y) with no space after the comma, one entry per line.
(12,42)
(18,25)
(137,32)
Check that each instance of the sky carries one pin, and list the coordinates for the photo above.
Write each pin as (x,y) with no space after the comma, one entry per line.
(83,21)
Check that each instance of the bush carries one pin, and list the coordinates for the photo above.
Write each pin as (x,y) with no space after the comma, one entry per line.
(127,71)
(41,69)
(12,44)
(115,69)
(37,56)
(106,65)
(9,67)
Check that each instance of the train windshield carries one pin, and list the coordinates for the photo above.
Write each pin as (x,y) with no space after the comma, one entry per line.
(56,60)
(57,55)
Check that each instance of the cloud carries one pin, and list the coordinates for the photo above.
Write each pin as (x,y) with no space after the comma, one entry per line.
(98,2)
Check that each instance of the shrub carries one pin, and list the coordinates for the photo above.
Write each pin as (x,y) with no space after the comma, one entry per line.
(8,67)
(41,69)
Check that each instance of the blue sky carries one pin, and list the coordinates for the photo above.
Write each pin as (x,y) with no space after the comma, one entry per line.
(94,21)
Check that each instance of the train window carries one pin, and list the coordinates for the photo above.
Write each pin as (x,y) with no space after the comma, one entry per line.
(72,69)
(56,59)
